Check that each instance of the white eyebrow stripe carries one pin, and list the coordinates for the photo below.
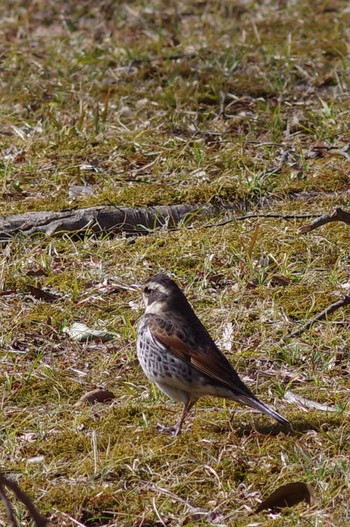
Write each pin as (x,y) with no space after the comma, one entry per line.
(158,286)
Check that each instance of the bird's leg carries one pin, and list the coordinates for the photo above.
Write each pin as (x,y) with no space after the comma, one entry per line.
(187,407)
(176,430)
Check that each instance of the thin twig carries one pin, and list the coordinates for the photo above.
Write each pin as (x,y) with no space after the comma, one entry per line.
(337,215)
(280,165)
(276,215)
(39,520)
(341,151)
(244,217)
(222,112)
(76,522)
(321,316)
(8,508)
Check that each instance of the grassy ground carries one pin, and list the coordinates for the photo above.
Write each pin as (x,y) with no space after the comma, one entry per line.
(128,98)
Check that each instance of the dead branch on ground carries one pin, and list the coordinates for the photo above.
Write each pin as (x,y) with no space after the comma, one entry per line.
(321,316)
(37,517)
(101,219)
(337,215)
(117,220)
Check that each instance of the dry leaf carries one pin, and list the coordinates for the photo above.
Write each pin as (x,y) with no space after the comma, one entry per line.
(252,284)
(97,396)
(37,272)
(226,340)
(305,404)
(40,294)
(80,191)
(287,496)
(279,280)
(82,333)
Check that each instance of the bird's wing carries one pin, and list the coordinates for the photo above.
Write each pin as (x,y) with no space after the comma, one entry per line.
(205,357)
(198,349)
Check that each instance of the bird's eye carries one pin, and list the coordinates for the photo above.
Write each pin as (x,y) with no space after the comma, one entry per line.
(147,290)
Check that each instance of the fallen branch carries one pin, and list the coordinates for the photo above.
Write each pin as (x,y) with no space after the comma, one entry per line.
(338,215)
(101,219)
(116,220)
(321,316)
(39,520)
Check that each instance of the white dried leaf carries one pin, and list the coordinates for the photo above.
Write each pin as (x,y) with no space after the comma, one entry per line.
(225,342)
(82,333)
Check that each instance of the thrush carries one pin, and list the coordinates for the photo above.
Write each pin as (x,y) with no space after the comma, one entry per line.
(177,353)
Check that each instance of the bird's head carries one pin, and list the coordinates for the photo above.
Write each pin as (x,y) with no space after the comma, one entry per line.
(161,293)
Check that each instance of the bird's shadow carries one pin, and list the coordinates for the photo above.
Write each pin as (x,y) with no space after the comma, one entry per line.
(298,427)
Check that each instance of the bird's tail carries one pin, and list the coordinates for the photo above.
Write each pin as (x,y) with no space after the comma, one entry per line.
(254,402)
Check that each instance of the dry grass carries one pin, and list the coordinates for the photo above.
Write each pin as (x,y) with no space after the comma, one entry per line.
(92,94)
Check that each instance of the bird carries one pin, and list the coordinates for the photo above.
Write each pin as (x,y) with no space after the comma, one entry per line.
(177,353)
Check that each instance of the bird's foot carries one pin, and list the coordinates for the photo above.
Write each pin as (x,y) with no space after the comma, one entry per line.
(170,430)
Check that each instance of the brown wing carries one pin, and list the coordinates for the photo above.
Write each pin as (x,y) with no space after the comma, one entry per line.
(205,357)
(193,344)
